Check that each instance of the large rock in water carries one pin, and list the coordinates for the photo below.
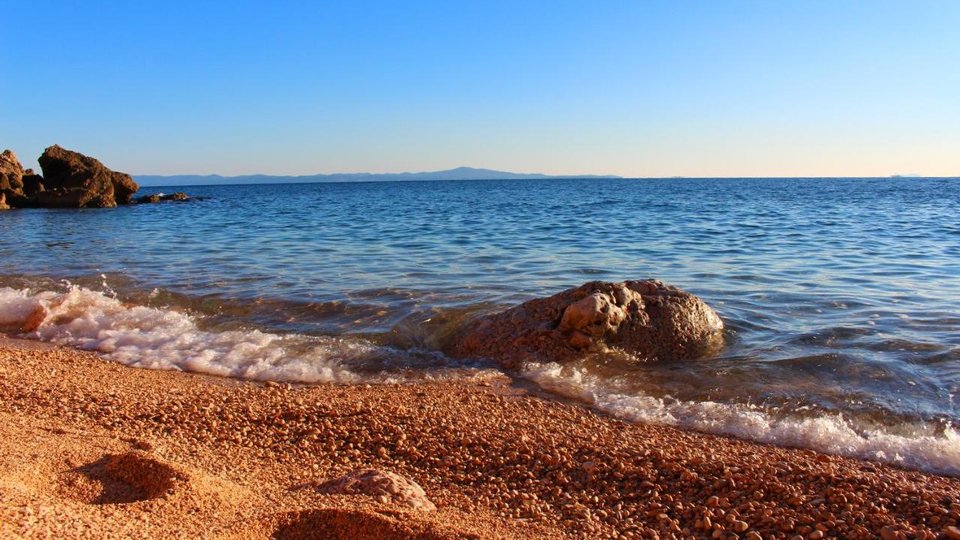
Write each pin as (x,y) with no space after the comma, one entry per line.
(649,320)
(73,180)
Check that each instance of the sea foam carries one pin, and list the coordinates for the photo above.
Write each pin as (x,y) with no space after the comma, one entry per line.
(828,433)
(155,338)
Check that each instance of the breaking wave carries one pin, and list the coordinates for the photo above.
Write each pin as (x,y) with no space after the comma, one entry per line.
(155,338)
(918,447)
(171,339)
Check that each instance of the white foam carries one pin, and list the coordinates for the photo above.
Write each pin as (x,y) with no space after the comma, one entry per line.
(166,339)
(833,434)
(155,338)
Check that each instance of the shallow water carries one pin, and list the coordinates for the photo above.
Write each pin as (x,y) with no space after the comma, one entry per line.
(841,296)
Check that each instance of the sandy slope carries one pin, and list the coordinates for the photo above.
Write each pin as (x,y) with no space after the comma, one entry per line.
(90,448)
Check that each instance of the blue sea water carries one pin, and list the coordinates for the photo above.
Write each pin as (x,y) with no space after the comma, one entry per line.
(841,296)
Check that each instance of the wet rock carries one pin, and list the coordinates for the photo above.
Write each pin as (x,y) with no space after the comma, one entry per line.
(3,201)
(73,180)
(11,174)
(384,486)
(160,197)
(148,199)
(648,320)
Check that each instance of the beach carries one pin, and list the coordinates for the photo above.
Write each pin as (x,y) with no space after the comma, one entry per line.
(90,448)
(537,270)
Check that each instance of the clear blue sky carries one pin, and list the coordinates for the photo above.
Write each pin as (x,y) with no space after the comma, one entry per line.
(636,88)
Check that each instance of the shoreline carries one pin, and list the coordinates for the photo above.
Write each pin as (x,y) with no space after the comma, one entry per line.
(498,459)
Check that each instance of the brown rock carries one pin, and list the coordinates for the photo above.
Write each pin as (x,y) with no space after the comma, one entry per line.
(160,197)
(34,320)
(953,533)
(381,485)
(32,183)
(73,180)
(11,174)
(147,199)
(646,319)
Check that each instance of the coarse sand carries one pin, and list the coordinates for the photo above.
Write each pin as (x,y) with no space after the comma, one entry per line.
(93,449)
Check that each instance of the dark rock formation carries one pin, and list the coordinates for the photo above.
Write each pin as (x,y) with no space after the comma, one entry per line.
(160,197)
(649,320)
(73,180)
(32,183)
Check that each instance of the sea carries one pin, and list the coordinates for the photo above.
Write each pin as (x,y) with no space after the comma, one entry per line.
(841,297)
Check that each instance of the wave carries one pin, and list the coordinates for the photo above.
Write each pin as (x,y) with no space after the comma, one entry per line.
(916,447)
(155,338)
(171,339)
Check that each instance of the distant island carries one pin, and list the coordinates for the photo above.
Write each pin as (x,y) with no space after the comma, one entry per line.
(460,173)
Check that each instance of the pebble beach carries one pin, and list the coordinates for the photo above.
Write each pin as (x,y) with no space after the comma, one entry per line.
(92,449)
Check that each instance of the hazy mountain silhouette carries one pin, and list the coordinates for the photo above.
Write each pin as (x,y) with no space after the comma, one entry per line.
(460,173)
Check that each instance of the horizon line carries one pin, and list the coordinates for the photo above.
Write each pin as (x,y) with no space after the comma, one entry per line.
(532,174)
(558,177)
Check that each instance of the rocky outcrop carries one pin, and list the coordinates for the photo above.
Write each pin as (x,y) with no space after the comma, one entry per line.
(70,180)
(648,320)
(384,486)
(160,197)
(11,175)
(73,180)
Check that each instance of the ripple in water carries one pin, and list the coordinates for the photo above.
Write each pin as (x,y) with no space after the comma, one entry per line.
(841,297)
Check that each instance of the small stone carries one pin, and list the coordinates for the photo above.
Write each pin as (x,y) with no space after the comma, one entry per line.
(141,444)
(382,486)
(953,533)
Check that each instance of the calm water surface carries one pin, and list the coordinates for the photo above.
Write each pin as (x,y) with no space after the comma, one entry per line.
(841,296)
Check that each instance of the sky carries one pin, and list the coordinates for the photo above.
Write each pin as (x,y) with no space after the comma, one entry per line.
(632,88)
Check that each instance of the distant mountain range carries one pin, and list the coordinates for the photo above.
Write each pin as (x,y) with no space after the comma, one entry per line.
(460,173)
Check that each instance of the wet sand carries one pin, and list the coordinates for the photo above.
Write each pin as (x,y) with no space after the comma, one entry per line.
(91,449)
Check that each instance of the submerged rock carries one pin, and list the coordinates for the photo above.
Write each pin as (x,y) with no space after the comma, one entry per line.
(160,197)
(73,180)
(383,486)
(649,320)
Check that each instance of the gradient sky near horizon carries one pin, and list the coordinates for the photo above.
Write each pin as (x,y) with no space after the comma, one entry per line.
(634,88)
